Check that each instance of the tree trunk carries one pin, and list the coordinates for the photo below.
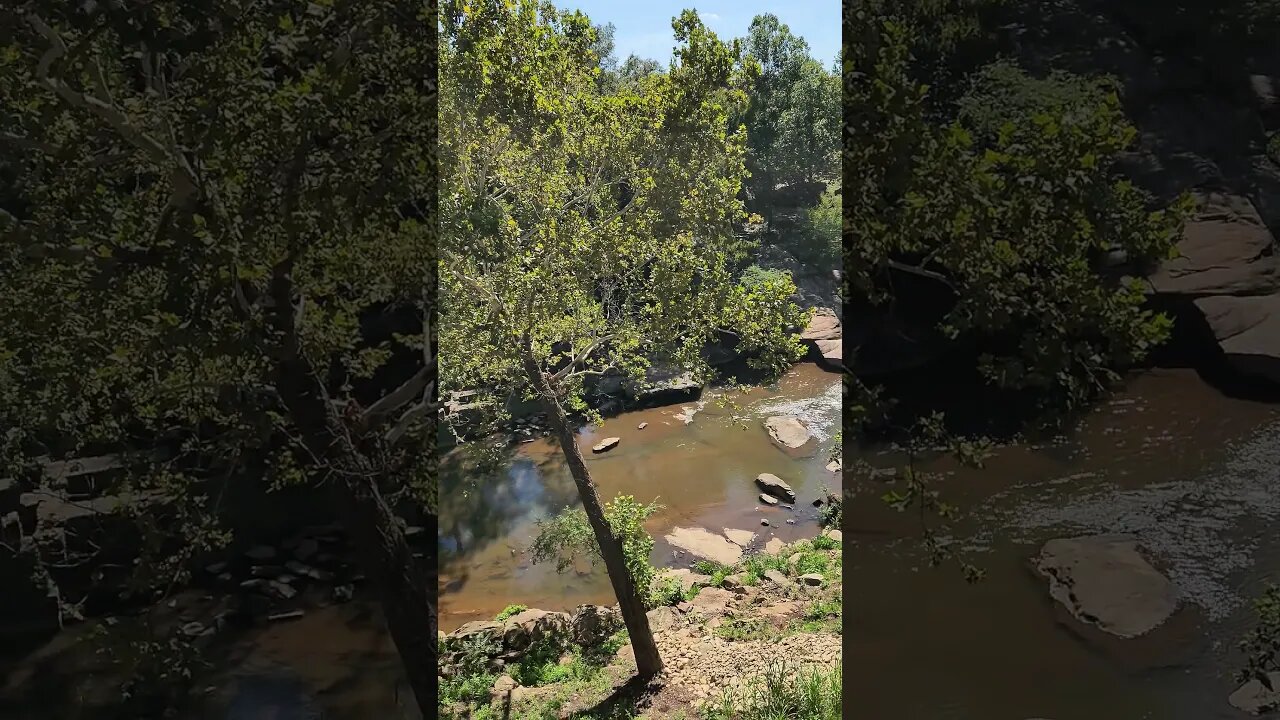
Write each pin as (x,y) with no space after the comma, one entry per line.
(630,600)
(405,589)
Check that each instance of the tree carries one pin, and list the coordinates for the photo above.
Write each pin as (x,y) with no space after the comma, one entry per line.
(218,204)
(586,232)
(793,116)
(1016,227)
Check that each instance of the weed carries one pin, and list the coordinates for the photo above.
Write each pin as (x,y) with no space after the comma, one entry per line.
(740,629)
(509,611)
(782,691)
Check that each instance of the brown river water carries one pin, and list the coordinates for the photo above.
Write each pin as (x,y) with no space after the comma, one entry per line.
(1190,472)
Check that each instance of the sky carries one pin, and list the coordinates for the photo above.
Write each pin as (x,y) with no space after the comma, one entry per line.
(643,27)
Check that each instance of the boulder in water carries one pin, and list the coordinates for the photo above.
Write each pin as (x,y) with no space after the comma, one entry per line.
(1253,697)
(606,445)
(787,431)
(704,544)
(775,486)
(741,538)
(1103,580)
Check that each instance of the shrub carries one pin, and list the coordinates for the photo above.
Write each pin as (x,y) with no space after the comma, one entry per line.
(740,629)
(569,534)
(783,691)
(509,611)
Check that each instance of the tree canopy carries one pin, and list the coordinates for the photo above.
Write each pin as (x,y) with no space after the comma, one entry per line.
(595,224)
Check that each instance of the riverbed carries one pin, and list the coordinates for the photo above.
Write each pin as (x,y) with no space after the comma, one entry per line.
(697,460)
(1191,473)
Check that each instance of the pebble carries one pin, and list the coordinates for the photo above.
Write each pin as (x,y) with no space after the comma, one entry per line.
(764,522)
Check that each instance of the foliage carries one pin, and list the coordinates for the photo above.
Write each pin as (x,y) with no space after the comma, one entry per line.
(1273,148)
(667,592)
(820,242)
(1016,230)
(568,535)
(783,691)
(509,611)
(221,249)
(793,114)
(743,629)
(1003,93)
(592,229)
(1262,645)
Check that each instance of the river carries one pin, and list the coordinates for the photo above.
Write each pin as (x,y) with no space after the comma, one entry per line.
(1189,471)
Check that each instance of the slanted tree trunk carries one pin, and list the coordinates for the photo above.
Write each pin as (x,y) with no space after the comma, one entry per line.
(404,587)
(630,599)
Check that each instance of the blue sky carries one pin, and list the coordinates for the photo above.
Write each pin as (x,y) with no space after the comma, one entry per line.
(643,27)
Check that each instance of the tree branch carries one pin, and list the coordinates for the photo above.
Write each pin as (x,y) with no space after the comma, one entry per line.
(181,174)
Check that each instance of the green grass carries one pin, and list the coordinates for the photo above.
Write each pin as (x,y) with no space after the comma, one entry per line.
(717,571)
(509,611)
(755,566)
(822,616)
(782,692)
(741,629)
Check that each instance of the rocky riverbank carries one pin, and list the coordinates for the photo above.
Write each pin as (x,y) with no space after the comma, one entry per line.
(718,627)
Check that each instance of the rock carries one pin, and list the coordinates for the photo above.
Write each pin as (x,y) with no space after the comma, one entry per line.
(733,583)
(833,534)
(764,522)
(812,579)
(261,553)
(306,549)
(606,445)
(592,624)
(282,616)
(280,590)
(712,601)
(774,546)
(343,593)
(642,426)
(777,578)
(884,474)
(775,486)
(823,325)
(531,626)
(1253,697)
(787,431)
(216,568)
(741,538)
(302,570)
(662,619)
(476,630)
(686,577)
(704,544)
(10,494)
(1248,331)
(833,466)
(501,688)
(768,499)
(1225,249)
(791,521)
(1103,580)
(192,629)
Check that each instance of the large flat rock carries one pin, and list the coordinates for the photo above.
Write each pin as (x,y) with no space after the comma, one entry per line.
(705,544)
(787,431)
(1226,249)
(1103,580)
(1248,331)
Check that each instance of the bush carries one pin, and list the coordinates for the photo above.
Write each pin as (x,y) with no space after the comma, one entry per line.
(569,534)
(820,241)
(741,629)
(509,611)
(666,592)
(783,691)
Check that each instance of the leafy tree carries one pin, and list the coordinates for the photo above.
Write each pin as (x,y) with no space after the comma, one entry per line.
(793,115)
(1017,229)
(218,204)
(586,232)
